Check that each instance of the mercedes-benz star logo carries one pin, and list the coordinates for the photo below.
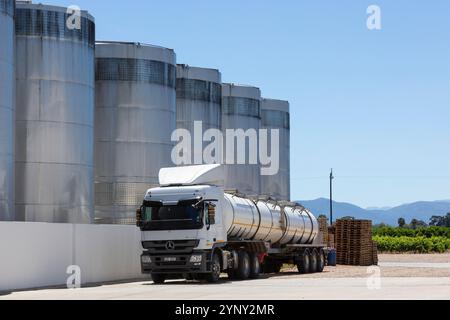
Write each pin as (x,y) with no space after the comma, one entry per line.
(170,245)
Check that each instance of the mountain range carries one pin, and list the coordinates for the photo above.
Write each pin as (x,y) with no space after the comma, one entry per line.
(422,210)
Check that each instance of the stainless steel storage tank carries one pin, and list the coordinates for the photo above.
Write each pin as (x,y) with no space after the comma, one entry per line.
(275,115)
(199,98)
(241,109)
(268,221)
(134,120)
(54,114)
(7,105)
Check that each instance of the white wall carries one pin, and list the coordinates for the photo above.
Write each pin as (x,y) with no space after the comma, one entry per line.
(38,254)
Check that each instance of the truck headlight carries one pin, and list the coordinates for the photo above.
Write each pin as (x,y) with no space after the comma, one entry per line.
(196,258)
(146,259)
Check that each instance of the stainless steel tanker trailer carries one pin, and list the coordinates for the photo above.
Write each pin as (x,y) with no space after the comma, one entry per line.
(193,229)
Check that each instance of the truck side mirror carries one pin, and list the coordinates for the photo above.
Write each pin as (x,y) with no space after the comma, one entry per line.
(205,214)
(139,217)
(211,213)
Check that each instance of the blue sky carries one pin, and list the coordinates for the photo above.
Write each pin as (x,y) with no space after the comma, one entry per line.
(374,105)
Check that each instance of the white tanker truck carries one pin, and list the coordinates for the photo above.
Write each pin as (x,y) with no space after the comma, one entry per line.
(193,229)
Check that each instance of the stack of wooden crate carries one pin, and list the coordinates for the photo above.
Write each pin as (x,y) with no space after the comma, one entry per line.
(323,229)
(354,244)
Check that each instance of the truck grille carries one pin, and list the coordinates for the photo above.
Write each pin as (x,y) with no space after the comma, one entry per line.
(170,246)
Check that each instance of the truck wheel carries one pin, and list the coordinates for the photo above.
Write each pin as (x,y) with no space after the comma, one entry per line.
(321,261)
(243,271)
(313,263)
(158,278)
(255,267)
(304,265)
(214,276)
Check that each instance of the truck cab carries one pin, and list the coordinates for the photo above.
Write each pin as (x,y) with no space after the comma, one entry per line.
(181,225)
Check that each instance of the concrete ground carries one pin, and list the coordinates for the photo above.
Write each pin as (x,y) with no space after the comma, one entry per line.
(397,277)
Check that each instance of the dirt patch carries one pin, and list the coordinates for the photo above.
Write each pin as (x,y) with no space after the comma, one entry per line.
(341,271)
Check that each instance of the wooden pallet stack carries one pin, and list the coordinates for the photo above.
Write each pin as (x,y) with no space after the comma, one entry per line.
(354,245)
(323,229)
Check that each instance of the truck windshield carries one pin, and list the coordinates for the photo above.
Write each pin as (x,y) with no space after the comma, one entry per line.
(174,217)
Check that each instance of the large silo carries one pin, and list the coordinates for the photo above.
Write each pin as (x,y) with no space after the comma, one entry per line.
(134,120)
(275,115)
(241,110)
(54,114)
(7,110)
(199,98)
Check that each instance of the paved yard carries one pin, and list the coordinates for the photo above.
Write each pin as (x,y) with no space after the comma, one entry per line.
(402,277)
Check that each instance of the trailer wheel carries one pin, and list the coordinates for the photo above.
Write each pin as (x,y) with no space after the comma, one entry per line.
(214,275)
(314,259)
(158,278)
(255,267)
(243,271)
(304,265)
(321,261)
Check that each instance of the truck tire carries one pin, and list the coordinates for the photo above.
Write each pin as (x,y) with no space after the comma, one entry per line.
(321,261)
(304,265)
(255,266)
(243,271)
(214,275)
(158,278)
(313,263)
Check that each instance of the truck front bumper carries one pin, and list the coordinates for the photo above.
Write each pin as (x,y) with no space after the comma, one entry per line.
(197,262)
